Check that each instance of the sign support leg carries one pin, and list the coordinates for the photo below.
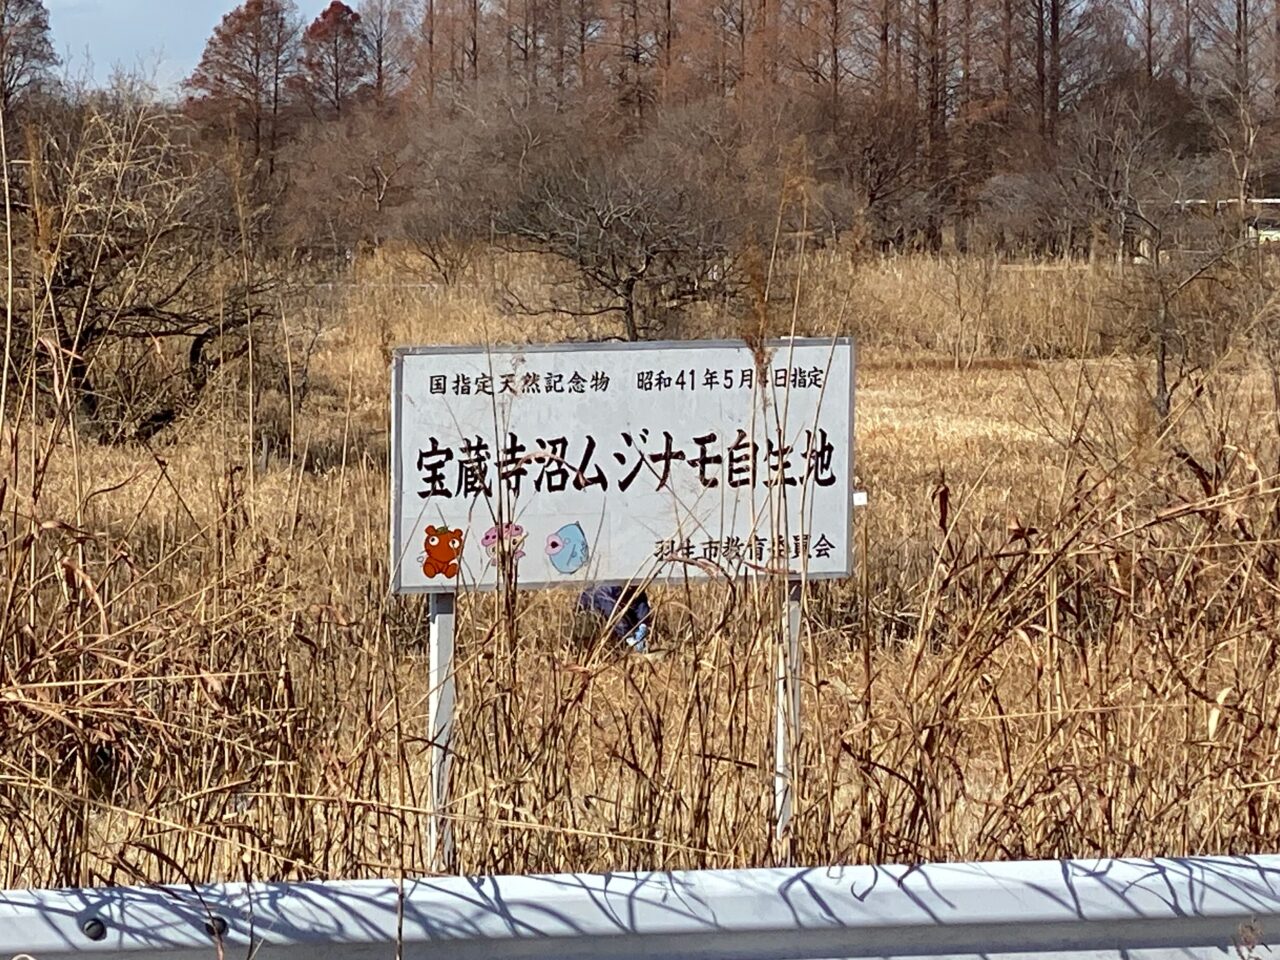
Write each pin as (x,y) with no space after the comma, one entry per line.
(440,701)
(787,717)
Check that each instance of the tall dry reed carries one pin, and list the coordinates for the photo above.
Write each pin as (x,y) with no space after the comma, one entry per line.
(1058,643)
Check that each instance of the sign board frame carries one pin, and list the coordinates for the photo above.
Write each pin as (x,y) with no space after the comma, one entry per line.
(442,692)
(402,552)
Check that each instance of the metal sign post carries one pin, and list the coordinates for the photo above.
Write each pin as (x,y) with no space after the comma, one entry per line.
(440,702)
(787,716)
(787,704)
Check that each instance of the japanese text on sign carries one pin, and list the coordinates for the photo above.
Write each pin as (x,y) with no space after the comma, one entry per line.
(554,465)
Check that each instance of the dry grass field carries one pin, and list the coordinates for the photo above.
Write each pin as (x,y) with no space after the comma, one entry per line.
(1059,641)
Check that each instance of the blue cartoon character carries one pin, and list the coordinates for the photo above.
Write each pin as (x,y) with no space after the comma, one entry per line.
(567,548)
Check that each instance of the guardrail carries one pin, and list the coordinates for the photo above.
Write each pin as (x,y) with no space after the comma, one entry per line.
(1135,909)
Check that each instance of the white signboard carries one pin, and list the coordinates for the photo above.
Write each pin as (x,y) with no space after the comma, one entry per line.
(620,463)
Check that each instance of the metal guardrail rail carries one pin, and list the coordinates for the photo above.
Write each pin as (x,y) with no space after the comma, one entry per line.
(1134,909)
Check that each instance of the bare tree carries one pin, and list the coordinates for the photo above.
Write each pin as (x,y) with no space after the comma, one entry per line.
(820,33)
(1187,19)
(449,46)
(937,54)
(132,271)
(26,52)
(638,241)
(1235,96)
(878,153)
(1112,152)
(1149,22)
(629,234)
(385,32)
(350,178)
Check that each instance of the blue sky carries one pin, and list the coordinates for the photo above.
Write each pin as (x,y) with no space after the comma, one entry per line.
(164,38)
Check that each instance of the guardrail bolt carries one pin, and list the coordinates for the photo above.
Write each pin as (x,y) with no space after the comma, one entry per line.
(217,927)
(94,929)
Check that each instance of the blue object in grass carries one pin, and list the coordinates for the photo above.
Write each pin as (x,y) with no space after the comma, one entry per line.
(637,640)
(627,607)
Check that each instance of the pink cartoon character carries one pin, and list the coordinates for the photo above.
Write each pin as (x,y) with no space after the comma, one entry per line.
(506,541)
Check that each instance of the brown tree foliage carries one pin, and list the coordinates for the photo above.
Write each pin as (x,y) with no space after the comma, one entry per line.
(242,78)
(334,65)
(917,123)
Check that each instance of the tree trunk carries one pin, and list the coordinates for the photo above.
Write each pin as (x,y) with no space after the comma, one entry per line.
(668,37)
(582,43)
(936,130)
(81,387)
(558,39)
(630,310)
(431,51)
(1243,81)
(1186,45)
(473,54)
(837,17)
(1042,84)
(1055,67)
(1006,54)
(1149,37)
(884,50)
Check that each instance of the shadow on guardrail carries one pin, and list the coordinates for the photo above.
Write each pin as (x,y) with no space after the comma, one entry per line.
(1192,907)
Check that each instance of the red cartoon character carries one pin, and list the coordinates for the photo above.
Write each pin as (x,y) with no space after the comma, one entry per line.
(444,546)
